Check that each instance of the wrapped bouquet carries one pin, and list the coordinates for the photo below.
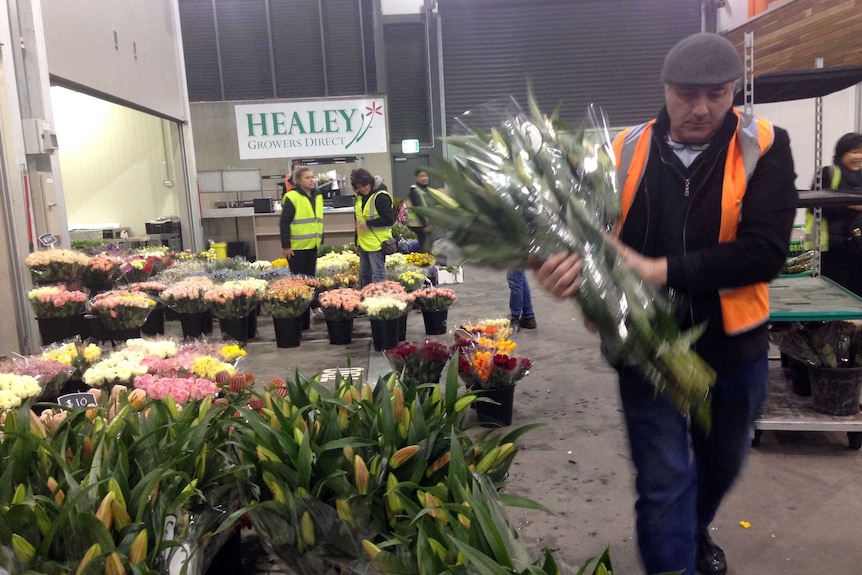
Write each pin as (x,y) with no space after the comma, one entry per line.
(56,301)
(419,362)
(287,298)
(531,187)
(384,307)
(122,310)
(187,296)
(235,299)
(56,266)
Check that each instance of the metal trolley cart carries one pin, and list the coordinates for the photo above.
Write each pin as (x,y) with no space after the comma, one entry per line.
(804,298)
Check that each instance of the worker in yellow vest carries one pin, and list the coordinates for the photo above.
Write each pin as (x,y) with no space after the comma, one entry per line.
(708,202)
(374,219)
(418,223)
(301,223)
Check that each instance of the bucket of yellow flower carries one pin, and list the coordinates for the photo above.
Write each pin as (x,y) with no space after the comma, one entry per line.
(286,300)
(487,368)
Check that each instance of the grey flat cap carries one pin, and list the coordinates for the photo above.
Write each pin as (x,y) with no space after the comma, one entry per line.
(702,60)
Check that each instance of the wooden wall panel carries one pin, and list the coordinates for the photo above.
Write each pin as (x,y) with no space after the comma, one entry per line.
(792,36)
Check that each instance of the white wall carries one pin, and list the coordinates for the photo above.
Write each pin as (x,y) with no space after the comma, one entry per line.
(113,162)
(841,114)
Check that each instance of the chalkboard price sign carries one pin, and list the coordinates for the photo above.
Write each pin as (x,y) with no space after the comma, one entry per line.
(76,400)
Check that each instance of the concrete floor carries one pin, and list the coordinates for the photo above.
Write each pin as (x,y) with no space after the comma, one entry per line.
(798,493)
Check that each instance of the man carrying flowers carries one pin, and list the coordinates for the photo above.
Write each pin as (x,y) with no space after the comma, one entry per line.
(374,219)
(708,201)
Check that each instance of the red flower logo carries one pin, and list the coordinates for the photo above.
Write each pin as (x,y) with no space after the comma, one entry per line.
(373,109)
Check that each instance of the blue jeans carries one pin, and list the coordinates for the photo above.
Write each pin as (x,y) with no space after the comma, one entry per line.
(520,304)
(683,474)
(372,267)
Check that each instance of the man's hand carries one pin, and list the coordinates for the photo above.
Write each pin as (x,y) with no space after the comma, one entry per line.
(651,270)
(361,225)
(288,252)
(427,229)
(559,274)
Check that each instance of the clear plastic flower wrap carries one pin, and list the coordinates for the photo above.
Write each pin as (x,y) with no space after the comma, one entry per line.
(525,186)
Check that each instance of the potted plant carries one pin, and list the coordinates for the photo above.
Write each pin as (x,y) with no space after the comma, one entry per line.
(434,303)
(830,355)
(286,300)
(339,307)
(59,312)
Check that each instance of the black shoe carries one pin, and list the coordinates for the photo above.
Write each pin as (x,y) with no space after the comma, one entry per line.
(527,322)
(710,557)
(513,323)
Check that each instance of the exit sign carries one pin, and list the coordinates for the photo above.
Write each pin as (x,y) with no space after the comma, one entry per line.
(409,146)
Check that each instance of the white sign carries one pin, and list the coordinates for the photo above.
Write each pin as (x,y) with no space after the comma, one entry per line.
(409,146)
(313,128)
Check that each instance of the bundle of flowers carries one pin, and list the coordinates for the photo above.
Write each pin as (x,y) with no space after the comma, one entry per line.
(499,328)
(16,388)
(420,260)
(395,260)
(260,265)
(419,362)
(411,280)
(75,355)
(160,347)
(56,301)
(56,266)
(279,263)
(153,289)
(336,262)
(344,280)
(486,363)
(339,304)
(481,369)
(51,374)
(287,298)
(120,311)
(139,267)
(183,269)
(383,288)
(120,367)
(527,186)
(234,299)
(187,296)
(101,271)
(274,273)
(434,298)
(199,358)
(180,389)
(384,307)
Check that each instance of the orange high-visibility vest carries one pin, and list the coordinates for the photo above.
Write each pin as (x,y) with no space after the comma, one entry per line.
(742,308)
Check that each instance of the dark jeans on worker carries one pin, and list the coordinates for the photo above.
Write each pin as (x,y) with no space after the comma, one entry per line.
(520,304)
(372,267)
(304,262)
(682,473)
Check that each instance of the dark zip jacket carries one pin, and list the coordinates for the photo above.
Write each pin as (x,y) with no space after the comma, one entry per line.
(676,214)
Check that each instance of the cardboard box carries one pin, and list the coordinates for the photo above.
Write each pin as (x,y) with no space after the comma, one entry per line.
(446,277)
